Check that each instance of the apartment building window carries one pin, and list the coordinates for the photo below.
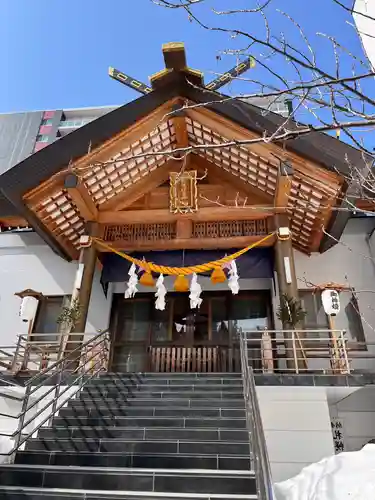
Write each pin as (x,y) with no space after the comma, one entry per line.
(47,314)
(75,123)
(42,138)
(47,121)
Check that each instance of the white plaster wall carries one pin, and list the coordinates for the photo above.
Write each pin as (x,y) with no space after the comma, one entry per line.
(27,262)
(366,26)
(350,263)
(297,427)
(358,414)
(10,410)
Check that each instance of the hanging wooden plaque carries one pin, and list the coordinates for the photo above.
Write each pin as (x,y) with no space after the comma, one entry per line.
(183,195)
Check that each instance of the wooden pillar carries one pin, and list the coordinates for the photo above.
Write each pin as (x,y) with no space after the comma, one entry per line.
(287,283)
(286,272)
(84,294)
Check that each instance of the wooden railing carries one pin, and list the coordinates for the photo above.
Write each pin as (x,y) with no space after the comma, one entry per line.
(203,359)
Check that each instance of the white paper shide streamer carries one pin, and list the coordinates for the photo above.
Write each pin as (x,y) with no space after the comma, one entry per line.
(195,292)
(132,283)
(160,294)
(233,278)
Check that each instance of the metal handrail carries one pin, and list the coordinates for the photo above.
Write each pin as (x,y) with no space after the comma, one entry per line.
(302,351)
(257,443)
(33,352)
(68,362)
(88,359)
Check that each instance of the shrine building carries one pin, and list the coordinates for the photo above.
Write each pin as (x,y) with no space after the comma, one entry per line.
(180,178)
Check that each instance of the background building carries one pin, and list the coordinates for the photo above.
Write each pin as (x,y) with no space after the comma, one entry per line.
(22,134)
(279,105)
(365,25)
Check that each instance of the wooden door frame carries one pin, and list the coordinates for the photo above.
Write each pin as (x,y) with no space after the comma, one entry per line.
(118,300)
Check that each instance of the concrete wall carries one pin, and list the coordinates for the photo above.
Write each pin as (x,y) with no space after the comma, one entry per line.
(297,427)
(358,414)
(27,262)
(10,410)
(350,263)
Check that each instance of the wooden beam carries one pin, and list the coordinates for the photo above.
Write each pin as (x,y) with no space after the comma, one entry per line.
(182,138)
(368,205)
(13,221)
(207,196)
(188,243)
(283,187)
(141,187)
(179,122)
(206,214)
(184,229)
(81,197)
(254,194)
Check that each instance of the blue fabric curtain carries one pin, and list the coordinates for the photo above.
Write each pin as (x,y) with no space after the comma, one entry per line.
(256,263)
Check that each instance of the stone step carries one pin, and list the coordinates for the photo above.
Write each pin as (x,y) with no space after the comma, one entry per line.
(173,421)
(134,411)
(148,434)
(17,493)
(117,479)
(145,394)
(170,378)
(155,461)
(161,388)
(154,402)
(169,446)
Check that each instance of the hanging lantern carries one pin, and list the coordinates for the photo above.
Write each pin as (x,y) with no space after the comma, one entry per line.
(181,283)
(331,302)
(218,275)
(146,279)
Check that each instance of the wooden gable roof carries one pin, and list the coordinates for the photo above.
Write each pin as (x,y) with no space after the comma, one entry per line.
(111,158)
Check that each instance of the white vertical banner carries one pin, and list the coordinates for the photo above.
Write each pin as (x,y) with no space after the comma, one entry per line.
(288,270)
(337,426)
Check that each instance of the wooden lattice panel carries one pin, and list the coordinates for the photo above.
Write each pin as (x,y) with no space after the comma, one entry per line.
(308,199)
(230,229)
(238,160)
(61,216)
(123,170)
(306,205)
(133,233)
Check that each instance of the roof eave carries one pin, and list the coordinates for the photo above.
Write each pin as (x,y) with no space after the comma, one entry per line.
(38,227)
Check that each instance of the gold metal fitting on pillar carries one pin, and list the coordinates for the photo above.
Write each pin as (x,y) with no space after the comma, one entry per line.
(283,233)
(85,241)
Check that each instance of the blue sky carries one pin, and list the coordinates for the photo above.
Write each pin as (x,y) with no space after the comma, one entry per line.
(55,54)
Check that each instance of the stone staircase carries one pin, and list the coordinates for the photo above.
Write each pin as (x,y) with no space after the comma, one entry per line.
(140,436)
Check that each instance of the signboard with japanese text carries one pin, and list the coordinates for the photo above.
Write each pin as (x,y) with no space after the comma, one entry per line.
(337,426)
